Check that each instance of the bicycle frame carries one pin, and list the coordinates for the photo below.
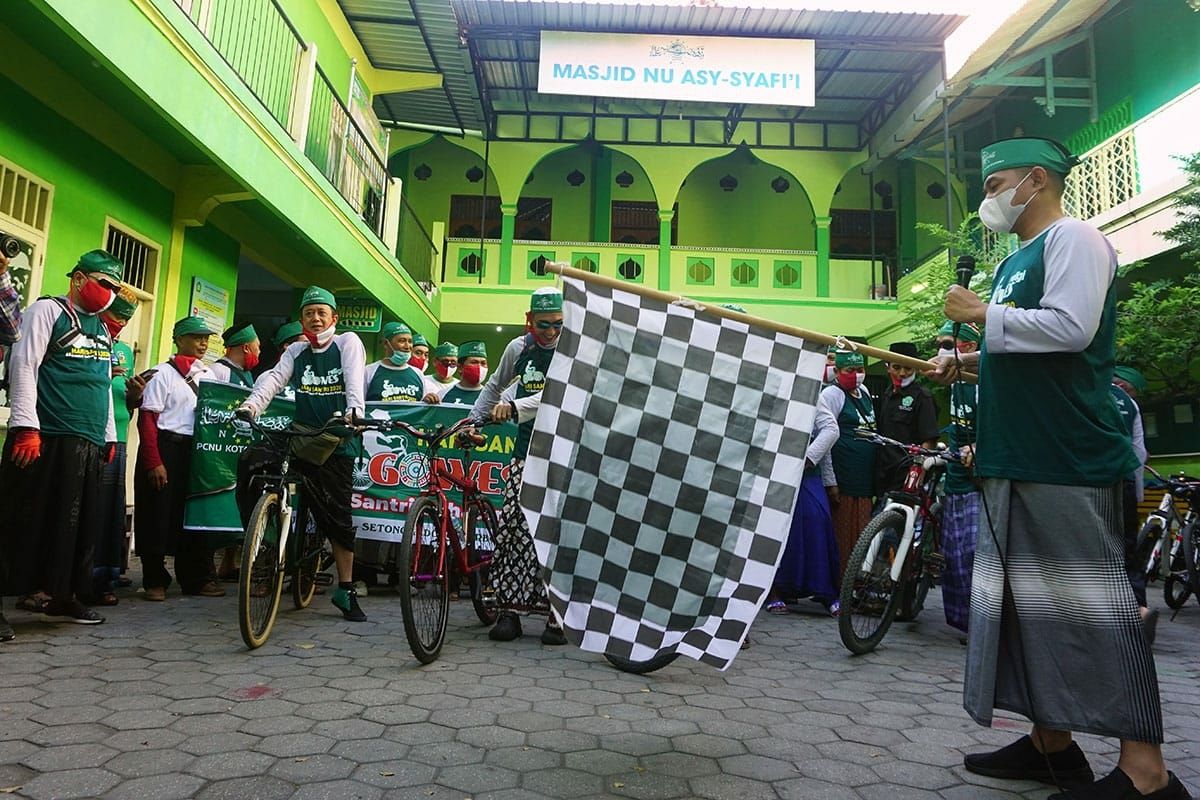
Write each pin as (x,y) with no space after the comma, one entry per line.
(915,498)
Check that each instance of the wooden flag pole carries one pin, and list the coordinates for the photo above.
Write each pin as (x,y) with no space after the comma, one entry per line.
(568,271)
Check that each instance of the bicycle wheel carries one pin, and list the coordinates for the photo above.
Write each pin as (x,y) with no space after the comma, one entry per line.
(912,597)
(1176,592)
(424,596)
(480,524)
(641,667)
(1191,555)
(1147,555)
(261,580)
(869,597)
(308,551)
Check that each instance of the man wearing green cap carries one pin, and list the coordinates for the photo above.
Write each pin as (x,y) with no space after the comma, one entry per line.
(110,538)
(516,574)
(420,352)
(960,515)
(166,423)
(472,370)
(848,401)
(393,379)
(445,368)
(61,431)
(1055,633)
(242,350)
(1127,384)
(328,368)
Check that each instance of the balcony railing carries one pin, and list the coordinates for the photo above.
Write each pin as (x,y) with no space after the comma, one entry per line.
(416,249)
(259,43)
(1106,177)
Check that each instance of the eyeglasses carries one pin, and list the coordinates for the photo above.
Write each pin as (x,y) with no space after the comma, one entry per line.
(945,344)
(545,325)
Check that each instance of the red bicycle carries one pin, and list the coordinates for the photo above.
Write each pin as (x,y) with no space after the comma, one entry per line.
(428,550)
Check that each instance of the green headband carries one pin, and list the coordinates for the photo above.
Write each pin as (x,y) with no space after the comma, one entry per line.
(848,358)
(100,261)
(286,332)
(394,329)
(966,332)
(472,350)
(1132,377)
(1027,152)
(446,350)
(315,295)
(191,326)
(420,341)
(545,300)
(236,335)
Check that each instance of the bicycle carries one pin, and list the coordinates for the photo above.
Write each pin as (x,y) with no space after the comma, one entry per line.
(1165,530)
(897,557)
(430,520)
(274,547)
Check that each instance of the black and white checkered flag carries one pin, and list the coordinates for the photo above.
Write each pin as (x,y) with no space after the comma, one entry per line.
(663,471)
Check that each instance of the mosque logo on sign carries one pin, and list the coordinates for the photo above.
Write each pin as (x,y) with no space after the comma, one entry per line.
(677,51)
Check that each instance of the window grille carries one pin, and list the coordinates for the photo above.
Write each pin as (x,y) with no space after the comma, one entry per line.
(1105,178)
(23,198)
(139,257)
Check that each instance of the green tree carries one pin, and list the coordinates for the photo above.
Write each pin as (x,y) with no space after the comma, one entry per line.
(922,311)
(1187,231)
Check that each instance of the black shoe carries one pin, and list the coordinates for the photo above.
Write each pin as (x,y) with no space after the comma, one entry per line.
(553,636)
(507,628)
(7,634)
(1150,626)
(73,611)
(1117,786)
(1022,761)
(346,601)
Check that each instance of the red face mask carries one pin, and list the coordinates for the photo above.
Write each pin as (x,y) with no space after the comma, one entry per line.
(115,326)
(472,374)
(848,380)
(94,298)
(250,360)
(444,371)
(418,362)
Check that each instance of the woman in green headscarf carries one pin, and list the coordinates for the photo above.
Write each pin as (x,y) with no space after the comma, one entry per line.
(848,400)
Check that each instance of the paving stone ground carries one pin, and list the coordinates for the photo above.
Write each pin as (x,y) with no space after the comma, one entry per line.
(164,702)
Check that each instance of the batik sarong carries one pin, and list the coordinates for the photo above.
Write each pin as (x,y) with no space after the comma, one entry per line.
(515,571)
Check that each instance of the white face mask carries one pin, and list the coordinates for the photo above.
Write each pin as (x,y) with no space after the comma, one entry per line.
(906,381)
(323,338)
(830,371)
(946,352)
(999,214)
(860,378)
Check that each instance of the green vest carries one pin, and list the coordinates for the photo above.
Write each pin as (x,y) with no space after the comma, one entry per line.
(122,356)
(854,458)
(74,382)
(321,389)
(237,375)
(1049,417)
(962,433)
(395,385)
(461,396)
(530,370)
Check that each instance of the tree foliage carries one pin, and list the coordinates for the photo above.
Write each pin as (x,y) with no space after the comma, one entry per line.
(1187,230)
(922,311)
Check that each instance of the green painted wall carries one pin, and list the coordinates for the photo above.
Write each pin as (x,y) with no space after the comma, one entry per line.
(430,198)
(210,254)
(310,21)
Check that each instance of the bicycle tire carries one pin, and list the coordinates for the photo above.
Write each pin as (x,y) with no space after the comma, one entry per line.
(1176,592)
(481,584)
(307,559)
(424,601)
(881,593)
(912,598)
(1191,555)
(1147,539)
(641,667)
(260,582)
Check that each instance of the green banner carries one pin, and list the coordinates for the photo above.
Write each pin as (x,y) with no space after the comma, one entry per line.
(359,314)
(390,472)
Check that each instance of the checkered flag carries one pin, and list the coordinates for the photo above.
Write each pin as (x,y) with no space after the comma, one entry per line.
(663,471)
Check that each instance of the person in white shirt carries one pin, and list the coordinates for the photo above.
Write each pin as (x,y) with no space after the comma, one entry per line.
(165,424)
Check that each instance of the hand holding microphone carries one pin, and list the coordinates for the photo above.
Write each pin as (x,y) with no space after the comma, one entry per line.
(963,305)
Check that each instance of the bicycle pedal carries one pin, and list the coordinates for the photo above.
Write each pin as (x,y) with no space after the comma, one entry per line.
(323,579)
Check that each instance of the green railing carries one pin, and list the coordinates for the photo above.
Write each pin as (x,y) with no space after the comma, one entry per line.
(415,248)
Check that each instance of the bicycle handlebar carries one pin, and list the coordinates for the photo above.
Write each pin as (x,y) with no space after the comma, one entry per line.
(438,435)
(911,449)
(335,425)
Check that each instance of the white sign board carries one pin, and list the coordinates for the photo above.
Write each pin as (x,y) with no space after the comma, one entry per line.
(712,69)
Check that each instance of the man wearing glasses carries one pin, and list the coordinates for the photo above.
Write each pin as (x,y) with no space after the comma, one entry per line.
(60,434)
(516,574)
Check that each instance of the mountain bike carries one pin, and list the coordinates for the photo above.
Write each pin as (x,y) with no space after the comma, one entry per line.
(277,543)
(1162,543)
(897,557)
(435,531)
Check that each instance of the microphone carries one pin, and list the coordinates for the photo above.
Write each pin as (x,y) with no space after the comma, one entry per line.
(964,269)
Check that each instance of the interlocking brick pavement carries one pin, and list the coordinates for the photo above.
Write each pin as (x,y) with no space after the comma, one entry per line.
(163,701)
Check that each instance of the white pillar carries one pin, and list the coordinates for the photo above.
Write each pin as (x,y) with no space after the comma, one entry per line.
(391,214)
(302,95)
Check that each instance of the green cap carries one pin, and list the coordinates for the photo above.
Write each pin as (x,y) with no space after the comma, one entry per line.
(419,340)
(546,299)
(446,350)
(239,334)
(123,305)
(394,329)
(100,261)
(189,326)
(1131,376)
(734,307)
(287,331)
(315,295)
(1027,152)
(967,332)
(472,350)
(848,358)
